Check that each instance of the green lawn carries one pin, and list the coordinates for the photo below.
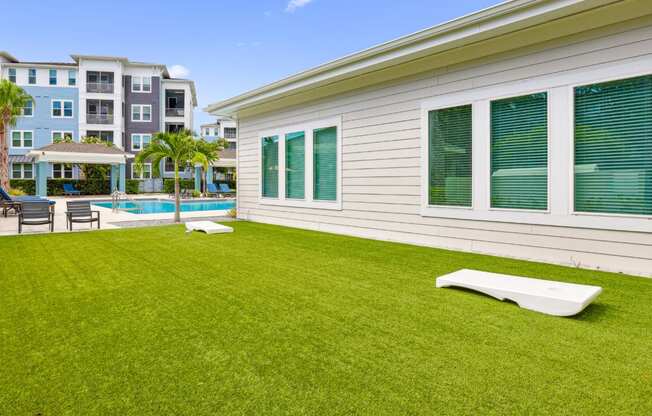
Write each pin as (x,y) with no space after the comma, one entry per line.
(272,320)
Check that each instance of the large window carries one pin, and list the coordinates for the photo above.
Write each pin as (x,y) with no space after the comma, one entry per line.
(104,135)
(62,109)
(230,132)
(519,152)
(450,156)
(31,76)
(72,77)
(325,164)
(141,84)
(270,167)
(22,138)
(140,141)
(145,173)
(61,136)
(12,75)
(295,164)
(28,110)
(141,113)
(613,147)
(22,171)
(53,77)
(61,171)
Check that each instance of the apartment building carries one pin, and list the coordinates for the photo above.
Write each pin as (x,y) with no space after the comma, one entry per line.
(223,169)
(117,100)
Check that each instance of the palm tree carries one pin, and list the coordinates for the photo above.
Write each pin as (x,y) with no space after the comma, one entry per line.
(181,148)
(12,100)
(211,151)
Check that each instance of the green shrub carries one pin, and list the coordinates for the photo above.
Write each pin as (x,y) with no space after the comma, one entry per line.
(168,185)
(26,185)
(86,187)
(133,186)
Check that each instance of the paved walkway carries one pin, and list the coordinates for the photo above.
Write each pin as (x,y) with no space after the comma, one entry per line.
(109,219)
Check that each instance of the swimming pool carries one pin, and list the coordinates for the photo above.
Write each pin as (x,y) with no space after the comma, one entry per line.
(159,206)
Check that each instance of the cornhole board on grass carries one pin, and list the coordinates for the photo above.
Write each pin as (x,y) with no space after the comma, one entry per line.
(545,296)
(208,227)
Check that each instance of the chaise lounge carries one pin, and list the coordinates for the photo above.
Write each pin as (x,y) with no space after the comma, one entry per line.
(69,190)
(211,189)
(226,190)
(7,202)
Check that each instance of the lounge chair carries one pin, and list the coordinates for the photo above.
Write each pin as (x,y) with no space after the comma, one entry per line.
(69,189)
(36,212)
(80,211)
(225,189)
(7,202)
(212,190)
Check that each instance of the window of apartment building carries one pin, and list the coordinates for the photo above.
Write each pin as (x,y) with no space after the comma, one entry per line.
(449,151)
(141,113)
(140,141)
(99,82)
(22,171)
(169,165)
(141,84)
(232,145)
(31,76)
(301,167)
(295,165)
(106,136)
(53,77)
(59,135)
(72,77)
(230,132)
(145,173)
(270,167)
(519,152)
(62,109)
(12,75)
(61,171)
(22,138)
(28,110)
(613,147)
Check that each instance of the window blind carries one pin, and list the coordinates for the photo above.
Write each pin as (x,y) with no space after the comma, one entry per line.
(519,152)
(450,156)
(325,164)
(295,163)
(270,167)
(613,147)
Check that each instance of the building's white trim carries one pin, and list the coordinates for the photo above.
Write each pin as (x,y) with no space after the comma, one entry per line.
(139,176)
(560,150)
(63,105)
(141,113)
(22,170)
(308,201)
(22,139)
(140,137)
(78,157)
(142,79)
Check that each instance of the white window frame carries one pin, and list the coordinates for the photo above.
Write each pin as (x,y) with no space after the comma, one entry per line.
(22,170)
(308,201)
(165,170)
(56,77)
(63,133)
(140,113)
(15,75)
(139,137)
(63,171)
(561,129)
(141,89)
(22,110)
(73,77)
(63,106)
(35,76)
(137,176)
(22,139)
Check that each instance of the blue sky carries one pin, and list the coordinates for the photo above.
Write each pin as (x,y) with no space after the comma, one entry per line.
(226,47)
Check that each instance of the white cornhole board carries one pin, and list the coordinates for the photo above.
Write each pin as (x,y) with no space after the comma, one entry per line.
(208,227)
(545,296)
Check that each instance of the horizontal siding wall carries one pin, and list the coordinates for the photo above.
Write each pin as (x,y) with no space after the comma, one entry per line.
(381,160)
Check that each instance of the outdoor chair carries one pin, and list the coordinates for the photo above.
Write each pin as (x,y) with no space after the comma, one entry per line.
(211,189)
(225,189)
(80,212)
(7,202)
(69,190)
(36,212)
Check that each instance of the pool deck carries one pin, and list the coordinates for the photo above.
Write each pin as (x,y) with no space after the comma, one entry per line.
(108,218)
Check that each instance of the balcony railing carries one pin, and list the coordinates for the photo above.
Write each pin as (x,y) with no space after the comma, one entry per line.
(99,118)
(174,112)
(105,87)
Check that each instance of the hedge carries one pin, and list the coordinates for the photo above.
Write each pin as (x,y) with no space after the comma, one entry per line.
(168,185)
(26,185)
(55,186)
(132,186)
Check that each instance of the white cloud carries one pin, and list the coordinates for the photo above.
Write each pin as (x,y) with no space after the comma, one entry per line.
(178,71)
(295,4)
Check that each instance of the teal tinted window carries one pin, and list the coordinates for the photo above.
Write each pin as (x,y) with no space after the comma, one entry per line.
(295,165)
(450,156)
(519,152)
(325,164)
(270,167)
(613,147)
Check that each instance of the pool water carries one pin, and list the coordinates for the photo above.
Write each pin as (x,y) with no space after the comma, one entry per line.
(149,206)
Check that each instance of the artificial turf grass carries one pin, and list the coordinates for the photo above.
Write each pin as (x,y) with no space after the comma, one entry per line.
(273,320)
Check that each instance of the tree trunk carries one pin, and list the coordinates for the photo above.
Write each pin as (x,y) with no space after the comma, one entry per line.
(177,194)
(4,159)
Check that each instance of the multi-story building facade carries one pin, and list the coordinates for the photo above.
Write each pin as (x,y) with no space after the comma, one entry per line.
(112,98)
(224,168)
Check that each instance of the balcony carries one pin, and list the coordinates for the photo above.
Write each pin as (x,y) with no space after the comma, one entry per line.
(99,118)
(103,87)
(174,112)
